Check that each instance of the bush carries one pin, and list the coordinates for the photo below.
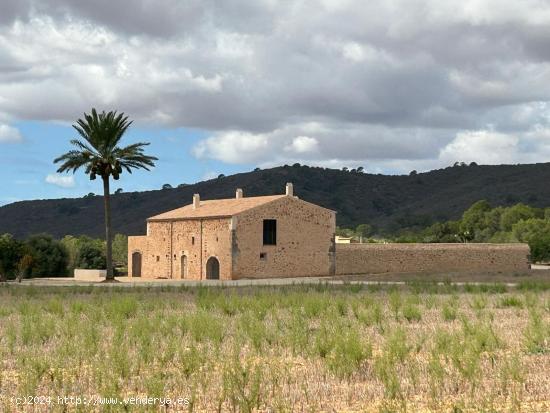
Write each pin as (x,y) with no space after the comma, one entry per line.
(91,256)
(10,254)
(49,257)
(540,247)
(84,252)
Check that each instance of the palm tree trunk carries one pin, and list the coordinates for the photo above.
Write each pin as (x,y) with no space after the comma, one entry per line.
(108,237)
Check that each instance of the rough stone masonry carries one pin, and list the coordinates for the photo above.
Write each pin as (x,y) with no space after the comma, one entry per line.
(284,236)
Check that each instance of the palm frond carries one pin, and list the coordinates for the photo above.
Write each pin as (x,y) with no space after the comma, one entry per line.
(99,152)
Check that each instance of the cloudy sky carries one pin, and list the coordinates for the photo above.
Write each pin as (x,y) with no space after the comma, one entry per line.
(224,86)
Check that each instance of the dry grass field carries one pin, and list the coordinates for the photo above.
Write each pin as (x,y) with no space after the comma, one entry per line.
(419,347)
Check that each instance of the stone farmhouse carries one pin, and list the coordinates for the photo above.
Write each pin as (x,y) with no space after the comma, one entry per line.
(284,236)
(253,237)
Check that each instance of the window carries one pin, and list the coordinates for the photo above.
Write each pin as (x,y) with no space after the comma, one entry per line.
(192,240)
(270,232)
(263,256)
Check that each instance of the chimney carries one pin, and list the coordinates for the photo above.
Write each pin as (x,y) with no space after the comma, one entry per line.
(196,201)
(239,193)
(289,189)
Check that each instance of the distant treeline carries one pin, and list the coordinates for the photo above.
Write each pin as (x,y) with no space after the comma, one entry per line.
(479,223)
(44,256)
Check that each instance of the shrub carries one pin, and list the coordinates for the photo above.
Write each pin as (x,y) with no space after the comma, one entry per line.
(24,266)
(10,254)
(49,256)
(540,247)
(91,256)
(84,252)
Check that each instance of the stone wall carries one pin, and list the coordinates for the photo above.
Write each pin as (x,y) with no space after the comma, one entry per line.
(305,241)
(382,258)
(89,275)
(196,239)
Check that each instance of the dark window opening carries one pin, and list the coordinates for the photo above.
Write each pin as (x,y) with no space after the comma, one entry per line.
(158,258)
(263,256)
(192,240)
(270,232)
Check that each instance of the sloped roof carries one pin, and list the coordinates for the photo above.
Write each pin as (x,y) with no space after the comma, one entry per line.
(216,208)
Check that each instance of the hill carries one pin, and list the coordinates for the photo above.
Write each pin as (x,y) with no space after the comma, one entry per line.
(389,202)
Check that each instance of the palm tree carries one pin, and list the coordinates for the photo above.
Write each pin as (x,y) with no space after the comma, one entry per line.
(99,154)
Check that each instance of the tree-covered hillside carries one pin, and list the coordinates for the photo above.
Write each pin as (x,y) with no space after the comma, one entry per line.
(389,203)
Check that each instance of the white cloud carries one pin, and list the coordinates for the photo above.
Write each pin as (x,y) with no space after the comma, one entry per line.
(303,144)
(485,147)
(269,86)
(9,134)
(233,147)
(61,180)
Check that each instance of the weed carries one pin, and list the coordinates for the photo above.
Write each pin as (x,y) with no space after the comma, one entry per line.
(411,312)
(510,301)
(537,334)
(395,303)
(204,326)
(242,383)
(348,353)
(449,310)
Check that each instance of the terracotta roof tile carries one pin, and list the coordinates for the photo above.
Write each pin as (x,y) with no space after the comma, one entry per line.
(216,208)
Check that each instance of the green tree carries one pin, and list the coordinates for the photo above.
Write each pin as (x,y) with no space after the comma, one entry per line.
(10,254)
(70,243)
(120,250)
(84,252)
(514,214)
(540,247)
(91,255)
(24,267)
(525,230)
(49,257)
(100,155)
(363,230)
(474,219)
(443,232)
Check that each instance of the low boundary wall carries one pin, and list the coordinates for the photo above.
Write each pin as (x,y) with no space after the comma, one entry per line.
(89,275)
(382,258)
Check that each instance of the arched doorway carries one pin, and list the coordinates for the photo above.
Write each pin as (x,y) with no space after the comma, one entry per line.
(212,269)
(136,264)
(183,266)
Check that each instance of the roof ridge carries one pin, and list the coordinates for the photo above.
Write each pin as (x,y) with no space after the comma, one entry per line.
(222,207)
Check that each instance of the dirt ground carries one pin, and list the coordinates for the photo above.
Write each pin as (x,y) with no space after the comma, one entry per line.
(511,278)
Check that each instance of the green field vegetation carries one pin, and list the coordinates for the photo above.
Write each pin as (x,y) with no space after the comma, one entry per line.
(419,347)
